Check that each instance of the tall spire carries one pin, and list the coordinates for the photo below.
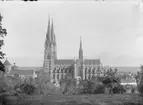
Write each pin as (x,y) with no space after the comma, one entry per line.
(52,33)
(48,34)
(80,50)
(80,43)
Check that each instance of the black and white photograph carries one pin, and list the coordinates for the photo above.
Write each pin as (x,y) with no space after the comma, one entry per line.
(64,52)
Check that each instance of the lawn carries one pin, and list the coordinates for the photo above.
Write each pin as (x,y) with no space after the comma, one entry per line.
(98,99)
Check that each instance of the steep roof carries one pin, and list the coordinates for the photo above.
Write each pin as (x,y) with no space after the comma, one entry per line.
(64,61)
(22,72)
(71,61)
(92,61)
(7,63)
(14,67)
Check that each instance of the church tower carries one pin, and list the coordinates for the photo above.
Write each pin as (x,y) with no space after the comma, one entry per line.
(79,63)
(50,53)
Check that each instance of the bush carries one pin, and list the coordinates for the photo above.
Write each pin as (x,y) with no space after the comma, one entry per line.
(68,86)
(118,89)
(25,89)
(98,89)
(140,88)
(91,87)
(86,86)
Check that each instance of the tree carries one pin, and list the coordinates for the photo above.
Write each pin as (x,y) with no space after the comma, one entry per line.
(87,86)
(137,77)
(111,79)
(3,33)
(140,81)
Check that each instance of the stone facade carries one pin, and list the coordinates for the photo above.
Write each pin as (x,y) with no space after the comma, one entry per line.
(57,69)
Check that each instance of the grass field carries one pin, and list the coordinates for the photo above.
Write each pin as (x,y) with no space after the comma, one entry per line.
(98,99)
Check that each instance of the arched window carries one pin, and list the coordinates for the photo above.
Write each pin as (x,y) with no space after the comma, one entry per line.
(58,70)
(93,71)
(89,77)
(62,76)
(89,71)
(62,70)
(58,76)
(85,70)
(54,70)
(65,70)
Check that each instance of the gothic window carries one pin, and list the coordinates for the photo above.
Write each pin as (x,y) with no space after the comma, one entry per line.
(86,71)
(89,77)
(54,70)
(98,70)
(58,76)
(93,71)
(62,70)
(58,70)
(89,71)
(62,76)
(65,70)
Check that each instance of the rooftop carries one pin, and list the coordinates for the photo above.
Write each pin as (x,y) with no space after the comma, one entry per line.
(7,63)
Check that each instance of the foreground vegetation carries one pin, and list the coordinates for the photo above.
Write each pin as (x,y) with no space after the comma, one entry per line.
(86,99)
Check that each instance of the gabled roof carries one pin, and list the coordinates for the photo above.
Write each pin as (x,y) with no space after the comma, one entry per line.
(71,61)
(14,67)
(22,72)
(7,63)
(92,61)
(64,61)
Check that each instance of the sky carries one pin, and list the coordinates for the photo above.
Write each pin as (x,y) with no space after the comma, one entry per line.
(111,31)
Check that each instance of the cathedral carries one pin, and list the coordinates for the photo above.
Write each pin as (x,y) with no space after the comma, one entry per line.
(58,69)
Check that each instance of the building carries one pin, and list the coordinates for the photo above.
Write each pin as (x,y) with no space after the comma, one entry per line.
(15,70)
(57,69)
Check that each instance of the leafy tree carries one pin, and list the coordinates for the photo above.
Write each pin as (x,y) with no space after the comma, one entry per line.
(140,80)
(3,33)
(137,77)
(25,88)
(111,79)
(98,88)
(118,88)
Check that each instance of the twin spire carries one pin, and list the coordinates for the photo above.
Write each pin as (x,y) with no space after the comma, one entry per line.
(50,38)
(50,35)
